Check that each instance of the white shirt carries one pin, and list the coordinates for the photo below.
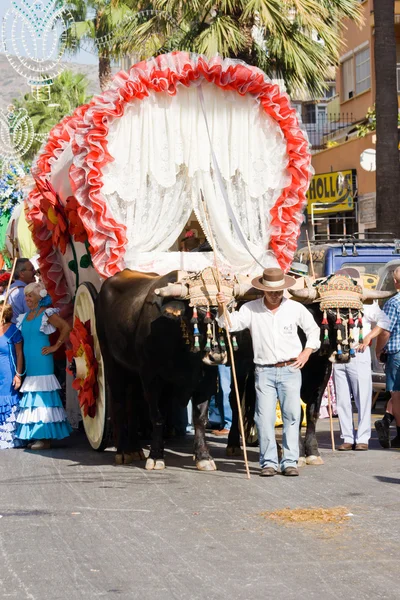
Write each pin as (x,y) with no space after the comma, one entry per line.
(373,315)
(274,334)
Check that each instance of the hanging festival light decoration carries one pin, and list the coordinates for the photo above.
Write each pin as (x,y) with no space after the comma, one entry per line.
(16,135)
(34,40)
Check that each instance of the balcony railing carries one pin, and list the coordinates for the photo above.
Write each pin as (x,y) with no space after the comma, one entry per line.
(324,130)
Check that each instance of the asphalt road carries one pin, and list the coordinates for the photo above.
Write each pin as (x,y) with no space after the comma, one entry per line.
(74,526)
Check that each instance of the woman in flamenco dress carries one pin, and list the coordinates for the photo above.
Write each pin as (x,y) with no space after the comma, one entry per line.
(42,417)
(11,364)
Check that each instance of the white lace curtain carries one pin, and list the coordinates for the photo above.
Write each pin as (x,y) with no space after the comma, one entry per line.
(163,159)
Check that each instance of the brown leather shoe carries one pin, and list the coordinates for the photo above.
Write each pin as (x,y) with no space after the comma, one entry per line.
(267,472)
(361,447)
(345,447)
(290,472)
(220,432)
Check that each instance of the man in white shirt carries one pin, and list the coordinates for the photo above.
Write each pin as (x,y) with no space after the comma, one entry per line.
(278,355)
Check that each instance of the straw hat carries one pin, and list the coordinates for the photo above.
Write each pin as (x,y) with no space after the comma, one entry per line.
(273,280)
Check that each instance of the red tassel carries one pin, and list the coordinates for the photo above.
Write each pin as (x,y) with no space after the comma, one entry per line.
(325,319)
(338,320)
(351,320)
(360,323)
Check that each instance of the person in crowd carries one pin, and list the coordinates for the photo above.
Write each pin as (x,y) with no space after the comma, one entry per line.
(4,279)
(392,351)
(278,356)
(222,402)
(11,367)
(24,274)
(355,377)
(42,417)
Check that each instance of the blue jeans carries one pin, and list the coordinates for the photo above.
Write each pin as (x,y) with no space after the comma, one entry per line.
(283,383)
(224,406)
(392,371)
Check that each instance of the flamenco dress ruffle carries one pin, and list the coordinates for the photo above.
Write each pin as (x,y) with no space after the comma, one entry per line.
(9,397)
(42,415)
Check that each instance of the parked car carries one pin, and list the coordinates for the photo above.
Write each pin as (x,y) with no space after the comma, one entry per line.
(368,256)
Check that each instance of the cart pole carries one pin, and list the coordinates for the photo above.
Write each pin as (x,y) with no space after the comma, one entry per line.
(228,336)
(330,417)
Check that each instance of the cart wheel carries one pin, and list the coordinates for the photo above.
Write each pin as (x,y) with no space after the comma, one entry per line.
(97,428)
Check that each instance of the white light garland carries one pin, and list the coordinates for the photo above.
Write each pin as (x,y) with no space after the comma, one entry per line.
(34,40)
(16,134)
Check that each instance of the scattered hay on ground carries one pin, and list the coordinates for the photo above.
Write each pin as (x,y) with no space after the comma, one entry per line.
(308,516)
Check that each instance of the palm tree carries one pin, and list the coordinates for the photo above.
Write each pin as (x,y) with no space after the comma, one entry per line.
(68,91)
(296,41)
(97,22)
(387,153)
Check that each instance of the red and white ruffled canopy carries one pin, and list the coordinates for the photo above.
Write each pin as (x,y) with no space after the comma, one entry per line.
(126,170)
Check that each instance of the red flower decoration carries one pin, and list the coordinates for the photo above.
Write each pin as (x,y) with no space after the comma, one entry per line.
(5,278)
(76,227)
(56,219)
(83,353)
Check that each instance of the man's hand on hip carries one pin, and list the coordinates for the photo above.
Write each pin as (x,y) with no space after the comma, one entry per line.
(302,358)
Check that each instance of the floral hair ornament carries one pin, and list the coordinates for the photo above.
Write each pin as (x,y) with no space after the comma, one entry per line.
(45,298)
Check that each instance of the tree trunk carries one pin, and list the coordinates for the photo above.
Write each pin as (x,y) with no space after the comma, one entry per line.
(104,72)
(387,153)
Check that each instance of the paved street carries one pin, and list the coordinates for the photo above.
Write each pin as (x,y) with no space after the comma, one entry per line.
(74,526)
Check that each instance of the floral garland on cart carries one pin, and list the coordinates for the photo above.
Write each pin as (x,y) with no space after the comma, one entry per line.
(83,366)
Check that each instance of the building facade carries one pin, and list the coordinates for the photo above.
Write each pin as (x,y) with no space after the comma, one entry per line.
(338,150)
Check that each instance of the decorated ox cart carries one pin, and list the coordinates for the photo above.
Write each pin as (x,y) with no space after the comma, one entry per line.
(118,180)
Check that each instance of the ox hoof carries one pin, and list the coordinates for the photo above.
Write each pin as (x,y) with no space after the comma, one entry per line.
(314,460)
(233,451)
(126,458)
(206,465)
(155,465)
(302,461)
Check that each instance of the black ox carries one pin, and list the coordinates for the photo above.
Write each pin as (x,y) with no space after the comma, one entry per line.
(146,339)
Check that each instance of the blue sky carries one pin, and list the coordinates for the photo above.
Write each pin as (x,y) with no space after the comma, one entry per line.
(82,57)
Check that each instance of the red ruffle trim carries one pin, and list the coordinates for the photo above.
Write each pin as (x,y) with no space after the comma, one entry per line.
(163,74)
(49,260)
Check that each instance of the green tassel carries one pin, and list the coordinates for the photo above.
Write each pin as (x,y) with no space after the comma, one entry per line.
(207,347)
(234,343)
(196,346)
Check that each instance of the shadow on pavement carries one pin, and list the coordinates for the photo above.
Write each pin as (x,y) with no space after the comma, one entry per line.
(384,479)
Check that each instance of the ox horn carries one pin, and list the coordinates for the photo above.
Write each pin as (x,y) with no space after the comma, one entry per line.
(175,290)
(304,294)
(376,294)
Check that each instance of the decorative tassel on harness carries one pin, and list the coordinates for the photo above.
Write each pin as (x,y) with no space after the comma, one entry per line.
(207,347)
(221,340)
(196,332)
(207,318)
(360,328)
(338,327)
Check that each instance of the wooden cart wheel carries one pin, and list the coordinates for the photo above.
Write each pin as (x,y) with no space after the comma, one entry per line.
(97,428)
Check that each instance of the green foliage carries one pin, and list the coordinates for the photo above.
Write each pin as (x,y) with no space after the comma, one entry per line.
(68,92)
(294,40)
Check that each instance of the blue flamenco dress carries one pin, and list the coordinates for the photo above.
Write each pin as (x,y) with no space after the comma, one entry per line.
(9,397)
(41,415)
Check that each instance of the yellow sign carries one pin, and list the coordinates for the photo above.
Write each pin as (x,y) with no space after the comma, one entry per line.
(332,192)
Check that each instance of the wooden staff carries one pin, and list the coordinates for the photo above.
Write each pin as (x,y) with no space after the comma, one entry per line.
(330,416)
(8,290)
(217,276)
(310,255)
